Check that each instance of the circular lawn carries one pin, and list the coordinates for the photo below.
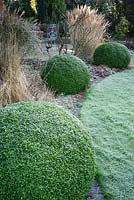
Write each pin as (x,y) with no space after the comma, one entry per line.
(108,113)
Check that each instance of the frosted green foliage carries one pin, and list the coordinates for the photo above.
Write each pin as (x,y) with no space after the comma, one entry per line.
(66,74)
(108,113)
(113,55)
(46,153)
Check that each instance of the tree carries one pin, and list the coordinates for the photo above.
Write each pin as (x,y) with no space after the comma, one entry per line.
(2,6)
(50,11)
(123,8)
(129,13)
(40,7)
(26,7)
(21,5)
(55,10)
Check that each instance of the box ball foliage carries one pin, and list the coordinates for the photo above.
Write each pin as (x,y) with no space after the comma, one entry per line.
(65,74)
(112,54)
(46,153)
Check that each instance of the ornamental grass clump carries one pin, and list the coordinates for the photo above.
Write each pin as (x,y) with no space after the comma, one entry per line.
(14,37)
(46,153)
(65,74)
(87,30)
(113,55)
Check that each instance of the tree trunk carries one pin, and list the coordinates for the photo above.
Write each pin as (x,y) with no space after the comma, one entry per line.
(2,6)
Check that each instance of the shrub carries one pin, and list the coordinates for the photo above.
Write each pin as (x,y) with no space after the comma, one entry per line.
(121,29)
(46,153)
(65,74)
(112,54)
(120,9)
(87,30)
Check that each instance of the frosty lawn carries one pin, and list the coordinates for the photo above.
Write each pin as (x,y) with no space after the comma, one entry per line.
(108,113)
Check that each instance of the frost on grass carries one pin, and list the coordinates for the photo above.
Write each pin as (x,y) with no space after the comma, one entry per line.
(108,112)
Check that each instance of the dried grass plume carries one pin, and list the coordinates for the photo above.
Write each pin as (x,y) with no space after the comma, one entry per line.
(14,37)
(87,30)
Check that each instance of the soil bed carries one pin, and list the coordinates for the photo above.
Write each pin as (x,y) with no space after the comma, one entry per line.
(70,102)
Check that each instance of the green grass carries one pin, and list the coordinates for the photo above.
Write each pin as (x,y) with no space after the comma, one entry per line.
(108,113)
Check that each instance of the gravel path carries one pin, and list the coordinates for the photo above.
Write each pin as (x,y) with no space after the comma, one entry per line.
(131,65)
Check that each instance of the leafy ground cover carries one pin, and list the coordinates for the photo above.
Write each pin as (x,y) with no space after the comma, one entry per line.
(108,113)
(65,74)
(46,153)
(112,54)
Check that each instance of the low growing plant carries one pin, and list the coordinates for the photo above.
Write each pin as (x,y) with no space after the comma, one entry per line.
(65,74)
(121,29)
(46,153)
(112,54)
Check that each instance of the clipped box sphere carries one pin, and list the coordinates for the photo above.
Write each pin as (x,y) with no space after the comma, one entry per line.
(46,153)
(113,55)
(65,74)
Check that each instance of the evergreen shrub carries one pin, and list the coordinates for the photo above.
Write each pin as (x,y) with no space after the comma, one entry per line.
(65,74)
(46,153)
(113,55)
